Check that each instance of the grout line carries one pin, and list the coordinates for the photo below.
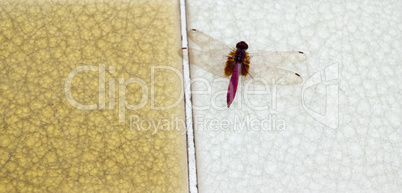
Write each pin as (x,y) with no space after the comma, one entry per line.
(191,159)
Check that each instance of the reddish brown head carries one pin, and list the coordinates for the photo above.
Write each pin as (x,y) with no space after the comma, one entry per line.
(242,45)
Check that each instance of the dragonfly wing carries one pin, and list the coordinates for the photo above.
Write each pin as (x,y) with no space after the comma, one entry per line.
(211,62)
(278,58)
(208,43)
(263,74)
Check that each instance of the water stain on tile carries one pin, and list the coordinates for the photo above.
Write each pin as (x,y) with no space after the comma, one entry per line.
(90,97)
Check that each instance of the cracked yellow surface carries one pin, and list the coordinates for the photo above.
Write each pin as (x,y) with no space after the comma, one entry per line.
(48,143)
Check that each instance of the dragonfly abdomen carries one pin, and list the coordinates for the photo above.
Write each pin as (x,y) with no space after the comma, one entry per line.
(234,80)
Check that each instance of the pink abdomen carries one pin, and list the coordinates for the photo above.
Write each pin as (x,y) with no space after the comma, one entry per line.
(234,80)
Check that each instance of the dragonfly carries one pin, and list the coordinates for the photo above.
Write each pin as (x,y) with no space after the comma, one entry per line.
(223,60)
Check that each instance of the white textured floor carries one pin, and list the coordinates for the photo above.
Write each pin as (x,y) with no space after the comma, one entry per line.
(341,129)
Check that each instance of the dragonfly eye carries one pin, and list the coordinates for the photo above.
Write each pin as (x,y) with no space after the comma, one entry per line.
(242,45)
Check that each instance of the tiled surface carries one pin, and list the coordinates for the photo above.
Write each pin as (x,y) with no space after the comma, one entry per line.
(51,143)
(340,135)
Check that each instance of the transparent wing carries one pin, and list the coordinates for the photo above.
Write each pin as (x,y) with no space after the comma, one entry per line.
(263,64)
(277,58)
(211,62)
(260,72)
(208,43)
(263,74)
(272,58)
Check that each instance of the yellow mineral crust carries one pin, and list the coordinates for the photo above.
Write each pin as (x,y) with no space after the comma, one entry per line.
(103,129)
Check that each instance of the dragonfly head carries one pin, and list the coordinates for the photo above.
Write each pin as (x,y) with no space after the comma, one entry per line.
(242,45)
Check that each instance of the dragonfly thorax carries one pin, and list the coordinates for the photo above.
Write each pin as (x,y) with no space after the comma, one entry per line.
(240,55)
(241,51)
